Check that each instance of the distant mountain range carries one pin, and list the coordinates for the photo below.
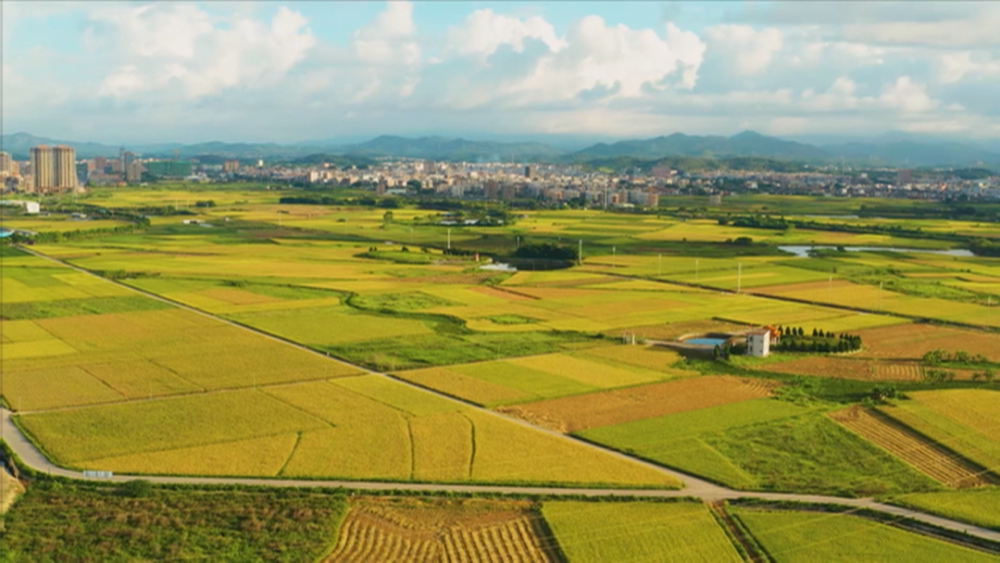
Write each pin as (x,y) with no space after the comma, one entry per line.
(894,149)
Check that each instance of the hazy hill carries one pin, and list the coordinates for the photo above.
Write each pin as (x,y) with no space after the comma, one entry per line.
(747,143)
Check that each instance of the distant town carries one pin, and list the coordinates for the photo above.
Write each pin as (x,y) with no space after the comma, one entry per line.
(55,169)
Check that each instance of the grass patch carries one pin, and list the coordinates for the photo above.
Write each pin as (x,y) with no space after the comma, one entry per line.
(76,307)
(511,320)
(90,523)
(811,454)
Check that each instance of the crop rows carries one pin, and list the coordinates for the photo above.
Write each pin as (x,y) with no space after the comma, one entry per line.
(375,531)
(928,457)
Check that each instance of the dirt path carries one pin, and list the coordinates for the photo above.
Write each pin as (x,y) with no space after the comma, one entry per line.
(693,486)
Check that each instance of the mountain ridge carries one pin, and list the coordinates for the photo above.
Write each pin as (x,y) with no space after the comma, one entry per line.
(893,149)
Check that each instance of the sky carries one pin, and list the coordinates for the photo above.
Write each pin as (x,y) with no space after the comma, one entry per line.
(141,72)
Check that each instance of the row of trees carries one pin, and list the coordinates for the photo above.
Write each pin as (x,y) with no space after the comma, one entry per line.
(939,356)
(795,339)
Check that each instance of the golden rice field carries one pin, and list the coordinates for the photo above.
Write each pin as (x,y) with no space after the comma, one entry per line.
(637,531)
(401,529)
(963,420)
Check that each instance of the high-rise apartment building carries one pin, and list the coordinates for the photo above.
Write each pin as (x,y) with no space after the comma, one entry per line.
(100,164)
(53,168)
(529,171)
(134,170)
(7,165)
(64,159)
(230,166)
(42,168)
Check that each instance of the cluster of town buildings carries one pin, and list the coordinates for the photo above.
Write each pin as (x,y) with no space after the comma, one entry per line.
(56,169)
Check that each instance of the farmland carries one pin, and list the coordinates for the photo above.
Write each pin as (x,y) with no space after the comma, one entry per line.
(963,420)
(930,458)
(977,506)
(760,444)
(796,536)
(106,378)
(388,529)
(637,531)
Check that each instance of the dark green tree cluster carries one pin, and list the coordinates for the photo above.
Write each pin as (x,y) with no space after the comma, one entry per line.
(547,251)
(795,339)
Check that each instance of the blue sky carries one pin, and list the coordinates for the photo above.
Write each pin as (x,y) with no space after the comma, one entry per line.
(135,72)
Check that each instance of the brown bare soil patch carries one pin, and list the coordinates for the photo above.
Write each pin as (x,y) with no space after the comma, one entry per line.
(849,368)
(912,341)
(408,529)
(676,330)
(572,414)
(929,457)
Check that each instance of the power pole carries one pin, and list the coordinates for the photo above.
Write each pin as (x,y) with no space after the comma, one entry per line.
(695,270)
(579,252)
(829,289)
(659,265)
(449,239)
(880,296)
(739,276)
(614,257)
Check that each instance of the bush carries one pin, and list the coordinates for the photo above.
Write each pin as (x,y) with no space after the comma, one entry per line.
(139,488)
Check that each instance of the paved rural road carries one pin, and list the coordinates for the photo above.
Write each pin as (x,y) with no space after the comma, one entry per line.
(693,487)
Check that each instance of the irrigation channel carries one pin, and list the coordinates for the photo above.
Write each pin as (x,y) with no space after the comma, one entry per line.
(694,487)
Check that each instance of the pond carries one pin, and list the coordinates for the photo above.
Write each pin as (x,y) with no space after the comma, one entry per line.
(706,341)
(803,251)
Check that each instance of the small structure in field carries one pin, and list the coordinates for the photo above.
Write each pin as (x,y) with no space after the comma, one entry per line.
(759,342)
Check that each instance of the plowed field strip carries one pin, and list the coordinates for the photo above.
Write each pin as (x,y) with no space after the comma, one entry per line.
(933,459)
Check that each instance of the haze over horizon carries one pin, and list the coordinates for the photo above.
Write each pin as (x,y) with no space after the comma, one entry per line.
(287,72)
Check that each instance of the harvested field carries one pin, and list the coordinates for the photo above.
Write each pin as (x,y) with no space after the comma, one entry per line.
(934,460)
(848,368)
(572,414)
(403,529)
(905,342)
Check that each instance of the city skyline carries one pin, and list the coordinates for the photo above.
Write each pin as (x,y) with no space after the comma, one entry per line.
(287,72)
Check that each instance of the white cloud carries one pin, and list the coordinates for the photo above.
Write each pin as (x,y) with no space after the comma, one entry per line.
(483,32)
(164,46)
(752,51)
(954,67)
(388,38)
(627,60)
(908,96)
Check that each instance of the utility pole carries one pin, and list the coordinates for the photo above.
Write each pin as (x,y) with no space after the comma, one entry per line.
(579,252)
(696,270)
(739,276)
(989,304)
(880,296)
(659,265)
(449,239)
(829,288)
(614,257)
